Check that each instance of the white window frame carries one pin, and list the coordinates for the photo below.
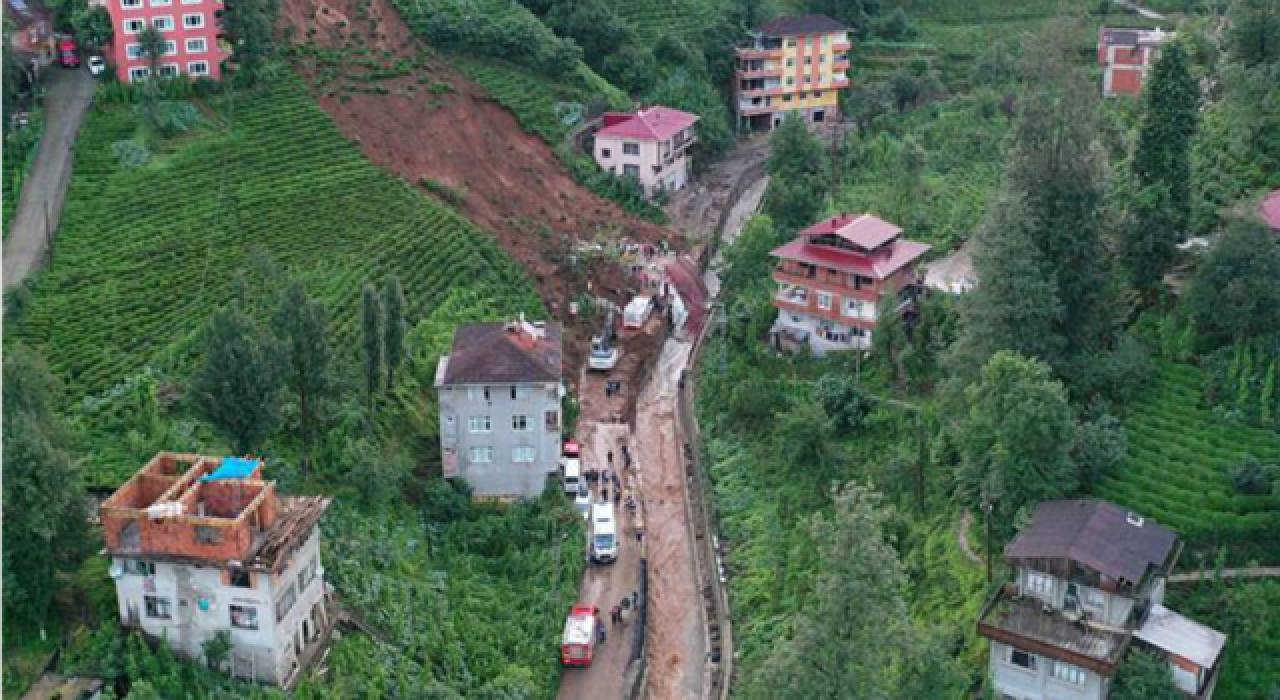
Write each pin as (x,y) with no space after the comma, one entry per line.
(130,4)
(1094,598)
(157,607)
(170,48)
(204,70)
(519,392)
(202,42)
(1035,661)
(524,455)
(824,301)
(161,3)
(249,616)
(170,70)
(1039,584)
(138,567)
(137,22)
(133,51)
(520,423)
(481,455)
(163,20)
(192,2)
(137,73)
(1067,673)
(479,424)
(197,15)
(630,148)
(632,171)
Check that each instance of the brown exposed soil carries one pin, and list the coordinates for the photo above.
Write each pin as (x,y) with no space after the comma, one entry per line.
(434,123)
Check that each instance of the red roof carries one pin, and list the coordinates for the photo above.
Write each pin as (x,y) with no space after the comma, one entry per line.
(655,123)
(1271,210)
(866,231)
(877,265)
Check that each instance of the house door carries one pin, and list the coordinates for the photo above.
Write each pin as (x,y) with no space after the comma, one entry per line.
(818,116)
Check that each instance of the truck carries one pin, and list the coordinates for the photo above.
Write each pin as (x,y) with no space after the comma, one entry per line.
(571,468)
(604,534)
(577,646)
(637,312)
(604,347)
(68,55)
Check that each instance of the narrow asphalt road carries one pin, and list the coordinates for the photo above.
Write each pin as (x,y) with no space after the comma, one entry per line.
(69,94)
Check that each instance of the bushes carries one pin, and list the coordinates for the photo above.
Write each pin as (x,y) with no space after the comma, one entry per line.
(494,28)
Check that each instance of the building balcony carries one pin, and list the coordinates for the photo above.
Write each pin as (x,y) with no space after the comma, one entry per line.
(755,74)
(841,47)
(1031,625)
(840,66)
(754,53)
(746,109)
(770,91)
(823,283)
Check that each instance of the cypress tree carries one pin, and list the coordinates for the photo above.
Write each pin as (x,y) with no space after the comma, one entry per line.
(1163,156)
(371,323)
(396,326)
(300,324)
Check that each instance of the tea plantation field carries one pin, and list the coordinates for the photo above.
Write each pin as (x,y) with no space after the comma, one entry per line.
(144,255)
(1177,470)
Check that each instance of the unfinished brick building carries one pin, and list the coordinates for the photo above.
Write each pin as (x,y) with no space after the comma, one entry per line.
(200,545)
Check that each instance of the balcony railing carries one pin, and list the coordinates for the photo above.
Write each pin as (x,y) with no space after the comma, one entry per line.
(1030,624)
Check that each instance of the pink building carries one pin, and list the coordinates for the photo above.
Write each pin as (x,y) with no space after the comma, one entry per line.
(1126,56)
(190,28)
(651,146)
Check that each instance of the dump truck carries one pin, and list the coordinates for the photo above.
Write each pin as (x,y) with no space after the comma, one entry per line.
(577,646)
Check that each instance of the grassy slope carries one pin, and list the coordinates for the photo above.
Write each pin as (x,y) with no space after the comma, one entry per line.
(145,255)
(1178,462)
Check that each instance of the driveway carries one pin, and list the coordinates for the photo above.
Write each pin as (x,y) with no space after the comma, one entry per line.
(69,93)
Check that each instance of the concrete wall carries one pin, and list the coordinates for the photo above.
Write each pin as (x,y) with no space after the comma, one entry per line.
(200,600)
(1022,684)
(1111,608)
(503,477)
(609,154)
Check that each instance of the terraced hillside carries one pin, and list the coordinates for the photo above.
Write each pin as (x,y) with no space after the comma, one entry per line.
(144,255)
(654,19)
(1179,457)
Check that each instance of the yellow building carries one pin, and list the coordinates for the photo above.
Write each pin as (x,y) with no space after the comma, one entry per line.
(792,64)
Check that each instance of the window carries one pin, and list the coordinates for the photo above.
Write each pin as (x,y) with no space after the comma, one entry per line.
(523,455)
(476,393)
(859,281)
(791,43)
(822,57)
(605,153)
(195,21)
(130,4)
(808,79)
(133,51)
(241,579)
(808,60)
(193,2)
(803,96)
(138,567)
(164,24)
(205,534)
(631,171)
(479,424)
(786,98)
(1021,658)
(158,607)
(136,74)
(791,81)
(1068,673)
(169,70)
(307,574)
(198,68)
(824,301)
(482,455)
(196,45)
(553,421)
(244,617)
(858,308)
(285,604)
(520,423)
(630,149)
(161,3)
(170,48)
(791,62)
(1094,598)
(1039,583)
(133,26)
(519,392)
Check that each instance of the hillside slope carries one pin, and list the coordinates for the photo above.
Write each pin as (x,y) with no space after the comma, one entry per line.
(427,120)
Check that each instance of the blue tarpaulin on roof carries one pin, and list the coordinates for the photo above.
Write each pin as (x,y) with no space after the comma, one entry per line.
(233,468)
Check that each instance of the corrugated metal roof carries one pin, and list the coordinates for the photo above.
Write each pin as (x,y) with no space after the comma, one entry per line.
(1167,630)
(1099,535)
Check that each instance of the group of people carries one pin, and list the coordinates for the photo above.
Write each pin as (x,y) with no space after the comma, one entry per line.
(631,602)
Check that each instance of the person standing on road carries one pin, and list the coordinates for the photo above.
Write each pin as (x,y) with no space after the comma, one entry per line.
(610,455)
(617,615)
(617,495)
(635,599)
(601,636)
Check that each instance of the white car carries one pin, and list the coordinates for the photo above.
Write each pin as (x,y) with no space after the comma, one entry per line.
(97,65)
(582,500)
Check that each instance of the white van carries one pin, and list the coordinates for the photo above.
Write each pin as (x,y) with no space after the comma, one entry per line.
(604,534)
(572,475)
(637,312)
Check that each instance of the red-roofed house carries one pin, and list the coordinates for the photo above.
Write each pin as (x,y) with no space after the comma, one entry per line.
(1126,55)
(1270,210)
(651,146)
(832,278)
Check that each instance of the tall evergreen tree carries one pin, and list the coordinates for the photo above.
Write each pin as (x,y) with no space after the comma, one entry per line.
(1171,102)
(396,326)
(44,498)
(237,388)
(301,325)
(854,639)
(371,319)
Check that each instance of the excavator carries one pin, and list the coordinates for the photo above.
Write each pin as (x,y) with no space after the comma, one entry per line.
(604,347)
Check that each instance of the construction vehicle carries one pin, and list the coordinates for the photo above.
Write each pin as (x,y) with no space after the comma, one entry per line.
(577,646)
(604,347)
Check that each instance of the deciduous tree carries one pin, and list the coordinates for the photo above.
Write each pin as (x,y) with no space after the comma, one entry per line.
(1235,292)
(249,26)
(237,388)
(1145,676)
(301,324)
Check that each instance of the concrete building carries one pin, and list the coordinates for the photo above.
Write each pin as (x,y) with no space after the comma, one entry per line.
(832,278)
(191,31)
(791,65)
(1090,583)
(500,389)
(1126,56)
(651,146)
(202,545)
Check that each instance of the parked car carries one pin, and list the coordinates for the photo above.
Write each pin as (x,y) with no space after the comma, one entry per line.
(68,54)
(582,500)
(97,65)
